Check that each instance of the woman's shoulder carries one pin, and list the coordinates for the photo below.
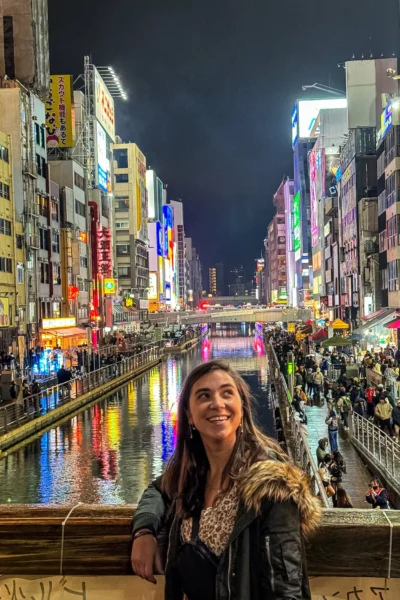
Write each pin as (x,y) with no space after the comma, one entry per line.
(279,482)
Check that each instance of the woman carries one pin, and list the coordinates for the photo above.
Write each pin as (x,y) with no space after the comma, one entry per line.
(333,427)
(343,499)
(325,476)
(236,508)
(377,495)
(322,450)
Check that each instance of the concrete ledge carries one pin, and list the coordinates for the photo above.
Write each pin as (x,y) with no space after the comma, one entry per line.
(31,427)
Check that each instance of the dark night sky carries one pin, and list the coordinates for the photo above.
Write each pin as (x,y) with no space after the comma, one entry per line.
(211,86)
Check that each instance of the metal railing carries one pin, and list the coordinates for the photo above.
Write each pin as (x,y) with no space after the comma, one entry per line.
(25,409)
(302,455)
(378,445)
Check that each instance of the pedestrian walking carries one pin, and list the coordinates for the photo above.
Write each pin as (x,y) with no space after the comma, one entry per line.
(318,383)
(333,427)
(383,413)
(396,420)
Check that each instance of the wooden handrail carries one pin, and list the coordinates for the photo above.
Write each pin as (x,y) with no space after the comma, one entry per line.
(98,541)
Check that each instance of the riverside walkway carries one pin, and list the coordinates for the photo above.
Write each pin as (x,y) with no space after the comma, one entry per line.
(21,418)
(357,478)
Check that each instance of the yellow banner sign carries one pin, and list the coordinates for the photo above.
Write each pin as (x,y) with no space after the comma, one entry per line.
(120,588)
(109,286)
(59,112)
(58,323)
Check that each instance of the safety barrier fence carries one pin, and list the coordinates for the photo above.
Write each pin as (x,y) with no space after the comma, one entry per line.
(24,409)
(301,452)
(378,445)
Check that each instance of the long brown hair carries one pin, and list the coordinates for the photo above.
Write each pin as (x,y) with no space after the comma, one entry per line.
(343,499)
(185,477)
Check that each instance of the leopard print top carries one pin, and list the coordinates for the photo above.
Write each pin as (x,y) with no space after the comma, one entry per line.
(216,523)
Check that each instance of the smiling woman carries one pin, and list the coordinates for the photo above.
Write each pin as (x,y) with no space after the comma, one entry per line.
(236,508)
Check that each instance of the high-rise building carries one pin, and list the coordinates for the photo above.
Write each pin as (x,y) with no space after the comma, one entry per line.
(194,277)
(290,261)
(237,283)
(24,44)
(130,215)
(155,194)
(69,176)
(324,161)
(276,234)
(22,116)
(12,259)
(305,131)
(212,281)
(180,264)
(221,287)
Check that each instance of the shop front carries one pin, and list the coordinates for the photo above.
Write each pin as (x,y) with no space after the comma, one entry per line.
(62,333)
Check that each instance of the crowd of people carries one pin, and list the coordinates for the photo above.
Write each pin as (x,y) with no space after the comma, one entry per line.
(312,385)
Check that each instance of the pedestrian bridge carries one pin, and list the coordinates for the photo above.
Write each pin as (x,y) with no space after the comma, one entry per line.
(248,315)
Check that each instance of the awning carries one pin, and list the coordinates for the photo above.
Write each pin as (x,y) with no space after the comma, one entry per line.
(305,329)
(67,332)
(377,313)
(318,335)
(339,324)
(385,315)
(394,324)
(337,340)
(118,309)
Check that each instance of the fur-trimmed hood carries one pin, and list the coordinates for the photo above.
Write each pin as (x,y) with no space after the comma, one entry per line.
(280,482)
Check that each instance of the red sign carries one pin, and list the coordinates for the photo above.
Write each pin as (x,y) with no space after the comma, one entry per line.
(73,292)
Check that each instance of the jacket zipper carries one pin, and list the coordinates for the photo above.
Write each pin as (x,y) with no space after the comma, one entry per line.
(229,571)
(267,545)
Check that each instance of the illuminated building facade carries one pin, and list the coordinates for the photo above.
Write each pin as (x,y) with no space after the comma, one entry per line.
(212,281)
(130,216)
(180,263)
(276,270)
(12,258)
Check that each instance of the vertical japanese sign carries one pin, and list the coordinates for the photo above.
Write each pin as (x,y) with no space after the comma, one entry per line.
(313,159)
(141,195)
(296,220)
(59,108)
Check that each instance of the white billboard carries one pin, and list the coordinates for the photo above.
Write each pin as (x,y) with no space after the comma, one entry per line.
(305,114)
(104,105)
(103,164)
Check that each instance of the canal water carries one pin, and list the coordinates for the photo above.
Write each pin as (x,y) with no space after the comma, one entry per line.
(108,453)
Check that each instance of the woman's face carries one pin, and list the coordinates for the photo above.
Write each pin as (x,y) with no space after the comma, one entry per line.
(215,407)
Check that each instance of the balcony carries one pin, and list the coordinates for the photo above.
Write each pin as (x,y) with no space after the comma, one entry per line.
(370,247)
(34,242)
(331,207)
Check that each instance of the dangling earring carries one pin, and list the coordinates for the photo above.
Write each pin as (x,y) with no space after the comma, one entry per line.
(192,428)
(241,426)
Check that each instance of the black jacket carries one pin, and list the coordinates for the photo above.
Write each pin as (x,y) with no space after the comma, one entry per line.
(396,415)
(380,500)
(264,558)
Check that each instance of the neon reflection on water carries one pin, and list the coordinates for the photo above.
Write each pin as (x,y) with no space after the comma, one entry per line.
(109,452)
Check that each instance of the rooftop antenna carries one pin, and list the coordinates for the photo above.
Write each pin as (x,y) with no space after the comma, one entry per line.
(324,88)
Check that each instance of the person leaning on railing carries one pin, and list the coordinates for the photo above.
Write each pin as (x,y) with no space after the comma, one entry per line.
(235,508)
